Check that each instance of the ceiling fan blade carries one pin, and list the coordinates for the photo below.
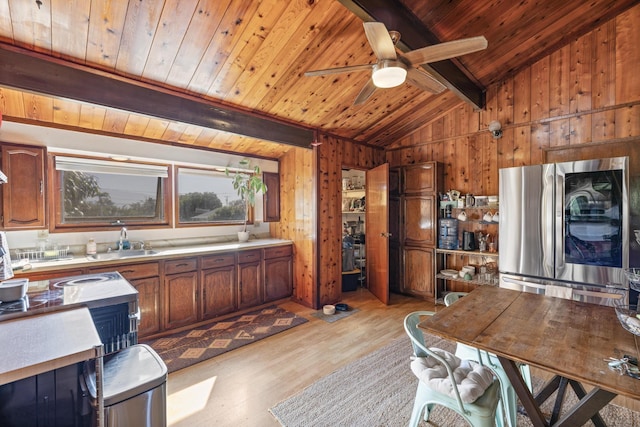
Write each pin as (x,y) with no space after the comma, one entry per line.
(424,81)
(441,51)
(365,93)
(339,70)
(380,40)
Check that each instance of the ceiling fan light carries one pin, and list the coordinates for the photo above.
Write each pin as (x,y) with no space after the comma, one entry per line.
(389,77)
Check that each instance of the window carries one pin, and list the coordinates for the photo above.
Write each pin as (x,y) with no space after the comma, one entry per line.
(207,197)
(92,192)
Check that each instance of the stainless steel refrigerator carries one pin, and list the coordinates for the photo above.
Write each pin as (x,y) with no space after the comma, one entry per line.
(564,228)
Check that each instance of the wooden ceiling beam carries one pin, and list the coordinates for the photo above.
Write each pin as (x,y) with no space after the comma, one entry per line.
(34,72)
(415,35)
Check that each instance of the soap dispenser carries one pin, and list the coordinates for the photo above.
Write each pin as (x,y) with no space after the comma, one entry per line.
(91,247)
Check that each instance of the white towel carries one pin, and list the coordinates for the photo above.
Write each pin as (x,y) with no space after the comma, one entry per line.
(6,272)
(558,291)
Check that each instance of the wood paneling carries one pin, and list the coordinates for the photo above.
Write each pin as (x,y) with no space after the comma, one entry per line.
(566,99)
(252,56)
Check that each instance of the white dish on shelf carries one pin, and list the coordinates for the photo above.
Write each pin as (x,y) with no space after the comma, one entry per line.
(450,273)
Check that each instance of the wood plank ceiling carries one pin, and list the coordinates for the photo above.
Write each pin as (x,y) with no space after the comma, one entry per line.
(249,57)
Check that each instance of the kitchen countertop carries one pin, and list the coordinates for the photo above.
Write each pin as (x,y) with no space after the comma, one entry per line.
(37,344)
(163,252)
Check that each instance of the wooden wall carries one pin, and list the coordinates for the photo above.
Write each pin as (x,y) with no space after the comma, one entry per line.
(316,227)
(298,219)
(587,92)
(333,155)
(584,95)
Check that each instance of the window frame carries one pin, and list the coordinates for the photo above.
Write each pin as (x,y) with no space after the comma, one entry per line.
(179,224)
(55,207)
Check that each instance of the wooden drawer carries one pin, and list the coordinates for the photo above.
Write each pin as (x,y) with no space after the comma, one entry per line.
(131,271)
(249,256)
(180,265)
(218,260)
(277,252)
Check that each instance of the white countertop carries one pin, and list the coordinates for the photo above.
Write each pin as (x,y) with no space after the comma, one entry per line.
(167,250)
(40,343)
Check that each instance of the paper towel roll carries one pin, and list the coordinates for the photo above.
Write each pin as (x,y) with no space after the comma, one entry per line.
(6,272)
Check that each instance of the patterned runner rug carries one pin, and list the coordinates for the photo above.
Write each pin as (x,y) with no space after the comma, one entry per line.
(186,348)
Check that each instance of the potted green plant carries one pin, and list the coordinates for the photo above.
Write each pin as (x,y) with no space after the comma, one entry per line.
(247,185)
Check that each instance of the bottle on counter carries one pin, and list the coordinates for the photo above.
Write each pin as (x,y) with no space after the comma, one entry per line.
(91,247)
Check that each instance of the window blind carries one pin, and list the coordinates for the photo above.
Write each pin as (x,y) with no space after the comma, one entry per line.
(77,164)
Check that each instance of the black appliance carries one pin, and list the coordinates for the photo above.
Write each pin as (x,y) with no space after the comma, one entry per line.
(468,241)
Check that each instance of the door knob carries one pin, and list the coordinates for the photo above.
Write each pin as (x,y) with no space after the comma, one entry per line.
(385,234)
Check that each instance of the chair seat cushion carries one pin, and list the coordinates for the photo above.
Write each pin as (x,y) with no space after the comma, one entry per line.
(471,377)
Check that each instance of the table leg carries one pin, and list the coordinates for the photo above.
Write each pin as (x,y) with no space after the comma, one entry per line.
(521,389)
(557,406)
(548,389)
(589,405)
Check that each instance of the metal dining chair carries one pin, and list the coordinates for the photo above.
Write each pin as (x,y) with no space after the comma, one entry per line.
(509,397)
(479,412)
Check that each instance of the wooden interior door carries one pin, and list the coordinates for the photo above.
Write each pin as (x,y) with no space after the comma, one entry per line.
(377,234)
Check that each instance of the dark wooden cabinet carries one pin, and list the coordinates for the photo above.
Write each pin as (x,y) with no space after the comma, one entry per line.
(218,285)
(420,178)
(23,196)
(418,271)
(175,293)
(250,287)
(413,224)
(149,305)
(420,220)
(278,273)
(271,203)
(180,293)
(145,277)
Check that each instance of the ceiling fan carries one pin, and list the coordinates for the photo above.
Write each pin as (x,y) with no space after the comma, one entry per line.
(392,69)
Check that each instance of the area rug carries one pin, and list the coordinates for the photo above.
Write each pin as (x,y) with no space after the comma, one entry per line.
(186,348)
(378,390)
(336,316)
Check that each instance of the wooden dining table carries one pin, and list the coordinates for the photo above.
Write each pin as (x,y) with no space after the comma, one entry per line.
(572,340)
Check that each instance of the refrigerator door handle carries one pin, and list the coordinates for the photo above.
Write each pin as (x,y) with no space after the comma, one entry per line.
(560,231)
(522,283)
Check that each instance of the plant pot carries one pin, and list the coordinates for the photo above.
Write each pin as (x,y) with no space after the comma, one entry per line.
(243,236)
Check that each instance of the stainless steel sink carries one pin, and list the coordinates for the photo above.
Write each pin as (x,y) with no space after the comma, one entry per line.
(128,253)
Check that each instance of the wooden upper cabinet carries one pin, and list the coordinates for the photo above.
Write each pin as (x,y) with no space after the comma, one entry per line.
(23,196)
(419,178)
(272,196)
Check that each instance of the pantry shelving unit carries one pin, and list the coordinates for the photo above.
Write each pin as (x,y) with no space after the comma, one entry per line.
(456,258)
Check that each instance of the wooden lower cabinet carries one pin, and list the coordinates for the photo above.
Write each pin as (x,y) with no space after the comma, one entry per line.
(418,271)
(250,291)
(175,293)
(180,305)
(278,273)
(145,277)
(149,305)
(218,291)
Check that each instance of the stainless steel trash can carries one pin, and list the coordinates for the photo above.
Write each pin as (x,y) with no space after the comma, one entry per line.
(134,384)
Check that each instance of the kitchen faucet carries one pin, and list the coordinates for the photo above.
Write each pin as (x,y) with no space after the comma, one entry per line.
(123,237)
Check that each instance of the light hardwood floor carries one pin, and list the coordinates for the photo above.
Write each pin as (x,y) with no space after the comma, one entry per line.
(237,388)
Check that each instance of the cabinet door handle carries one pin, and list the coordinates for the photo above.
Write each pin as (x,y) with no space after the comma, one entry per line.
(386,234)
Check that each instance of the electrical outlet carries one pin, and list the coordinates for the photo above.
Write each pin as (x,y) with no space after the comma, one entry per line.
(43,234)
